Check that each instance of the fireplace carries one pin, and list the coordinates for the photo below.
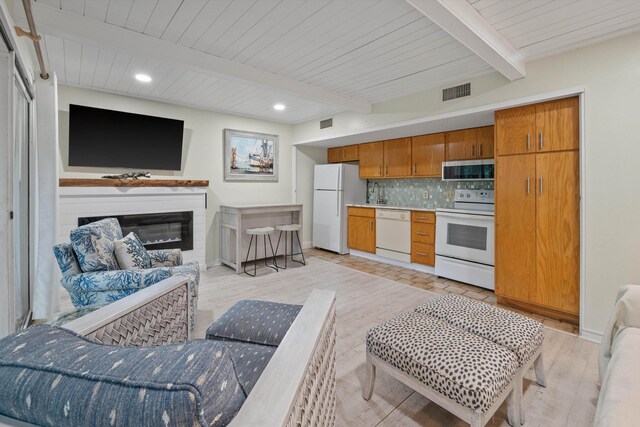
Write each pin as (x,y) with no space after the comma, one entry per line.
(168,230)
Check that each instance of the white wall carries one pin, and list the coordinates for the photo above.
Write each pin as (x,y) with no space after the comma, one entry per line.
(202,152)
(610,72)
(306,159)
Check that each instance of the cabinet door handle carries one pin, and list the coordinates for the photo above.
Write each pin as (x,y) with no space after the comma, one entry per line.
(479,150)
(415,168)
(421,233)
(371,225)
(422,254)
(380,170)
(528,141)
(540,185)
(421,217)
(386,170)
(540,143)
(528,185)
(473,151)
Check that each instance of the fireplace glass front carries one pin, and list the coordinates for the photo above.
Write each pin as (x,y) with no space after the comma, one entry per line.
(167,230)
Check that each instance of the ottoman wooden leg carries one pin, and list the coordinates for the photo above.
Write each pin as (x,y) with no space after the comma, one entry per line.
(539,368)
(370,379)
(514,403)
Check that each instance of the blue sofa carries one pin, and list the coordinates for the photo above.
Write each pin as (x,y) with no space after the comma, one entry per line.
(91,275)
(112,367)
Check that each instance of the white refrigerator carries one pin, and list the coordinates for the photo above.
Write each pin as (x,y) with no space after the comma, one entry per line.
(333,186)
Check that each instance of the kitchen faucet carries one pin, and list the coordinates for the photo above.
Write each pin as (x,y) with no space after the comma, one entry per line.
(379,200)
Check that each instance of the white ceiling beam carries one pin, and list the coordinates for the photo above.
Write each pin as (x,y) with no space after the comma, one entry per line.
(74,27)
(465,24)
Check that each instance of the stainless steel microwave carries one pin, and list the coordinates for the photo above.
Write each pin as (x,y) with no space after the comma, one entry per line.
(468,170)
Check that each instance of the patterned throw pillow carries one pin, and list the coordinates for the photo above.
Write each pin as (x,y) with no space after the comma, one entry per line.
(131,254)
(93,245)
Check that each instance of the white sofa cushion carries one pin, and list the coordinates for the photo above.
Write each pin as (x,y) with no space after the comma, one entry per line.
(618,404)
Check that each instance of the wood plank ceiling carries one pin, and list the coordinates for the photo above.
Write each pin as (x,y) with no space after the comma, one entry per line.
(539,28)
(372,50)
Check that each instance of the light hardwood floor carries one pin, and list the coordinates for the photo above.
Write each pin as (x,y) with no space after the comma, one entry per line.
(364,300)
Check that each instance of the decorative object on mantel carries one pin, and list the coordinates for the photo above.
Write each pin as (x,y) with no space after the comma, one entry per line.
(132,175)
(250,156)
(101,182)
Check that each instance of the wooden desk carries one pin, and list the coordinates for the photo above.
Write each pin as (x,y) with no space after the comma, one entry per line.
(235,219)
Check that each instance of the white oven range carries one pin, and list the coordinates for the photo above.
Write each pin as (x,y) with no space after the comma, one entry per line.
(465,239)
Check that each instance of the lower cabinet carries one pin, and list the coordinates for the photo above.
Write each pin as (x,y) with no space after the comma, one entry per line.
(423,237)
(538,233)
(362,229)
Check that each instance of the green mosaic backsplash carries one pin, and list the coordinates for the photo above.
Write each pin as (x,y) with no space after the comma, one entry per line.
(409,192)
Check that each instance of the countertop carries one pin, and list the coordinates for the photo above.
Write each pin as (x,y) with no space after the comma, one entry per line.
(408,208)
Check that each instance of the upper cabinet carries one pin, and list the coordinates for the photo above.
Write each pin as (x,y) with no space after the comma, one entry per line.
(461,144)
(557,125)
(548,126)
(397,158)
(484,142)
(427,155)
(348,153)
(386,159)
(371,160)
(418,156)
(470,144)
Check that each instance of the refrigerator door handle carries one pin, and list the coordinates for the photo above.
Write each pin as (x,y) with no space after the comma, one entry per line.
(338,183)
(338,204)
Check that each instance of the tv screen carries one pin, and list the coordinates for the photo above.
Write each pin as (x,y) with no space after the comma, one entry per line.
(106,138)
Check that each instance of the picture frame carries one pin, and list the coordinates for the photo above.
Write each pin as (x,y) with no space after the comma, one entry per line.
(250,156)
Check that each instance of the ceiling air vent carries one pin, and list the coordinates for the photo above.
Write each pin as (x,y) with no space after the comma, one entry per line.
(456,92)
(328,123)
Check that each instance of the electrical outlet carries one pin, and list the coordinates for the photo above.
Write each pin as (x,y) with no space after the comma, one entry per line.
(425,195)
(449,194)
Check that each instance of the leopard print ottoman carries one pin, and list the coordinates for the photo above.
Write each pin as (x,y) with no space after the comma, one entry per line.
(462,366)
(518,333)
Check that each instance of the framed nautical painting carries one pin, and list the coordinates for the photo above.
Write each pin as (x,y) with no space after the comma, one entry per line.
(250,156)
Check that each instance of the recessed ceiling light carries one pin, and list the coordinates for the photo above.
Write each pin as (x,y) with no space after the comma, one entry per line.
(279,107)
(143,78)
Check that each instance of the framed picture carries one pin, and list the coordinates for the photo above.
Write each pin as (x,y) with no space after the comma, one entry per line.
(250,156)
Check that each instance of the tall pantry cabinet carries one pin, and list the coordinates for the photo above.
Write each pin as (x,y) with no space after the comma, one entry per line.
(537,208)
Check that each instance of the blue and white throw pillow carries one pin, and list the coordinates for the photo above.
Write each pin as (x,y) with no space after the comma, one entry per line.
(93,245)
(131,254)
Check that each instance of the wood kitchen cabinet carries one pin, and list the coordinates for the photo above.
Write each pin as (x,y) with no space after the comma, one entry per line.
(388,159)
(427,155)
(362,229)
(515,224)
(397,158)
(423,237)
(544,127)
(461,144)
(557,231)
(470,144)
(371,160)
(485,142)
(348,153)
(537,225)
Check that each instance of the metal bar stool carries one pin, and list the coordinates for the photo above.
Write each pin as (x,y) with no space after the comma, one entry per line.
(290,228)
(257,232)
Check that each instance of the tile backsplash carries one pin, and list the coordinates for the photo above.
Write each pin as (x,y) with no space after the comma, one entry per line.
(409,192)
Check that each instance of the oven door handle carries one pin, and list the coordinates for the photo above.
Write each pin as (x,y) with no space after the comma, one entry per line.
(462,216)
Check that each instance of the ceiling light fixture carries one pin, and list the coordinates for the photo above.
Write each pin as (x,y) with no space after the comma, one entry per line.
(279,107)
(143,78)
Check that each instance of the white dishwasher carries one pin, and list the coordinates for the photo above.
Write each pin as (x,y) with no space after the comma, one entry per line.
(393,234)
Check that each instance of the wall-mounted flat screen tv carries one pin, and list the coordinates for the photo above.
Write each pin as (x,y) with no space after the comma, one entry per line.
(107,138)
